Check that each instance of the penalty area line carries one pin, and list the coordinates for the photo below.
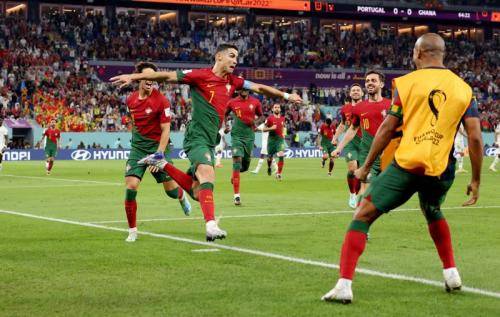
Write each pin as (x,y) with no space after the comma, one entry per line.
(270,255)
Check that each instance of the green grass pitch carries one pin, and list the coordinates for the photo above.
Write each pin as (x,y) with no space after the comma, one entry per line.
(276,261)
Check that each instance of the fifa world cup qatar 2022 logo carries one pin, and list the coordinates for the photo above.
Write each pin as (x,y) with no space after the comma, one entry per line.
(436,99)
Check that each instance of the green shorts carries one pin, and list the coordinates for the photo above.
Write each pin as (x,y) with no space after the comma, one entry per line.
(50,151)
(351,152)
(328,148)
(375,170)
(395,186)
(135,169)
(275,145)
(242,148)
(199,154)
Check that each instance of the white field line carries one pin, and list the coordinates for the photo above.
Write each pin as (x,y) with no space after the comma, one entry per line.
(62,179)
(399,277)
(49,186)
(291,214)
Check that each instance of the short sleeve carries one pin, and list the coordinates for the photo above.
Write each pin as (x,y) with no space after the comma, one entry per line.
(269,122)
(237,82)
(165,116)
(472,110)
(189,76)
(396,108)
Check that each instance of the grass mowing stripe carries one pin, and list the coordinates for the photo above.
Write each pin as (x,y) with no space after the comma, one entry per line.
(290,214)
(260,253)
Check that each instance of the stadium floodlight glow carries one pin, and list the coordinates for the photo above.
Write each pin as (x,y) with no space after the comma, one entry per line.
(16,8)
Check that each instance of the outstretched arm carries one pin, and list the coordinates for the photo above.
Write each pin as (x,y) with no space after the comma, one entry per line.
(127,79)
(271,92)
(340,129)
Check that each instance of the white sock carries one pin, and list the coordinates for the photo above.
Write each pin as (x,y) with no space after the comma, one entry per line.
(343,282)
(460,161)
(259,165)
(495,161)
(218,158)
(130,230)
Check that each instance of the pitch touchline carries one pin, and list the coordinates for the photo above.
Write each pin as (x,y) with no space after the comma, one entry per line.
(312,213)
(259,253)
(63,179)
(49,186)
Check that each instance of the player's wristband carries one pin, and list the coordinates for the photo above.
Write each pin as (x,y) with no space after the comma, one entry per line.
(286,96)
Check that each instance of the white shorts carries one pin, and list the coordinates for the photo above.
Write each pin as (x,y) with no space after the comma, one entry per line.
(3,147)
(265,136)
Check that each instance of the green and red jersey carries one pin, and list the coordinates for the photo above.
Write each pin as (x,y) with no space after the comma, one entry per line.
(53,136)
(327,132)
(148,114)
(279,121)
(243,113)
(210,95)
(369,116)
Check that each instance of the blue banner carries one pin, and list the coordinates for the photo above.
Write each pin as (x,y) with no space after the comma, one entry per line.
(114,154)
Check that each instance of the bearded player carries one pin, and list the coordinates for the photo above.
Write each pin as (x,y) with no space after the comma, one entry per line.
(51,137)
(351,149)
(429,104)
(325,143)
(150,112)
(211,89)
(275,124)
(246,113)
(367,116)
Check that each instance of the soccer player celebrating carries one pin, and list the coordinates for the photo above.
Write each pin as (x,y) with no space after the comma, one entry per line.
(211,89)
(263,150)
(51,137)
(429,104)
(150,112)
(351,149)
(3,141)
(245,110)
(275,124)
(367,116)
(325,143)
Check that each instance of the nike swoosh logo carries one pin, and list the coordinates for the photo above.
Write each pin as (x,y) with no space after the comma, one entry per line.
(211,85)
(364,113)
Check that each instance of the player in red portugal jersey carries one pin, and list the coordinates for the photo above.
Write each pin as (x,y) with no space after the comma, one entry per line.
(247,113)
(276,145)
(51,137)
(211,89)
(368,115)
(150,112)
(325,143)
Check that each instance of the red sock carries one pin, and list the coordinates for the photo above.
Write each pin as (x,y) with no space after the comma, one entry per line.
(236,182)
(206,198)
(357,185)
(49,168)
(184,180)
(280,166)
(354,244)
(131,210)
(440,233)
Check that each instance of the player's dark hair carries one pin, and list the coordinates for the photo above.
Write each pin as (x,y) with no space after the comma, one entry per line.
(224,47)
(139,67)
(355,85)
(381,75)
(328,121)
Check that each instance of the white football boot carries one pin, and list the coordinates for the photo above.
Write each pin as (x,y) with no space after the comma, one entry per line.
(452,281)
(213,231)
(132,235)
(342,292)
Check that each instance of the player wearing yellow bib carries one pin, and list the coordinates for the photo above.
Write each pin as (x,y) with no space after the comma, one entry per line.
(429,104)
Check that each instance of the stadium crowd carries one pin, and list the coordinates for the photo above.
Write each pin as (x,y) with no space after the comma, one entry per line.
(45,74)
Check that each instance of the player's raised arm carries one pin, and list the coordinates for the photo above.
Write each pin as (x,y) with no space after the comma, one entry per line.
(271,92)
(475,141)
(127,79)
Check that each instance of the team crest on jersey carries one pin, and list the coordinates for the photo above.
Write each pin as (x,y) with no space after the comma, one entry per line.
(149,110)
(251,107)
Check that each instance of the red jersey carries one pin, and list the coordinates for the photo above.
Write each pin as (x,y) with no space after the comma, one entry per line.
(245,109)
(370,115)
(280,126)
(148,114)
(327,131)
(346,115)
(53,135)
(211,89)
